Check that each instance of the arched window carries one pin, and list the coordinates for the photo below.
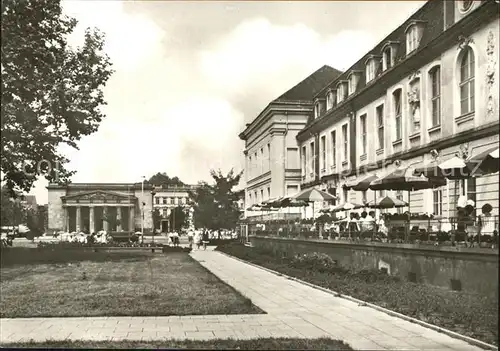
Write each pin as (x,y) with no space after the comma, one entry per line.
(466,64)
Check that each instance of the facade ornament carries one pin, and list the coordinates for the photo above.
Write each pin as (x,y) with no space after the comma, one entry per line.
(464,151)
(463,42)
(490,74)
(414,75)
(414,102)
(397,163)
(434,154)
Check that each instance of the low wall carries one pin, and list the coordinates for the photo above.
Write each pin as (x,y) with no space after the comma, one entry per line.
(470,269)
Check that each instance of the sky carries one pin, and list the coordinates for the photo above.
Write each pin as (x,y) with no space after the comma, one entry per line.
(189,75)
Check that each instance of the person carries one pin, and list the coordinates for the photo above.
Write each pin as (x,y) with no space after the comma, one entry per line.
(205,239)
(190,237)
(353,224)
(175,236)
(197,238)
(382,228)
(487,224)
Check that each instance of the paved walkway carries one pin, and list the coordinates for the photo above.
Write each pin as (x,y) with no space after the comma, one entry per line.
(294,310)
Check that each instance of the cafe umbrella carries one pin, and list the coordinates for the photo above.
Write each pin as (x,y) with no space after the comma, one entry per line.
(387,202)
(403,179)
(314,195)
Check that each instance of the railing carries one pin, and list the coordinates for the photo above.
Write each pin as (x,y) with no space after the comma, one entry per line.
(273,216)
(453,231)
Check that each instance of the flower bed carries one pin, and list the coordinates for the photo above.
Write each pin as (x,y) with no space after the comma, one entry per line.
(468,314)
(77,245)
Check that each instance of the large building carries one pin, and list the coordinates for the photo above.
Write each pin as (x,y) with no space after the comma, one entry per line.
(272,160)
(90,207)
(428,90)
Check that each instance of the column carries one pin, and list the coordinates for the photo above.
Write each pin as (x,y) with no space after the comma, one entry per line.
(78,218)
(118,219)
(132,220)
(66,219)
(104,217)
(91,219)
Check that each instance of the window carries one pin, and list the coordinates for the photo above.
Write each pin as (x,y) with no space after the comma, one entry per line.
(471,191)
(435,78)
(250,165)
(261,160)
(157,200)
(397,113)
(334,148)
(370,70)
(380,126)
(250,199)
(467,82)
(412,38)
(313,156)
(269,156)
(346,194)
(364,197)
(164,200)
(261,194)
(353,82)
(268,192)
(256,164)
(341,93)
(387,59)
(399,196)
(346,145)
(304,160)
(255,197)
(316,110)
(465,5)
(437,202)
(292,158)
(329,100)
(364,140)
(381,194)
(323,152)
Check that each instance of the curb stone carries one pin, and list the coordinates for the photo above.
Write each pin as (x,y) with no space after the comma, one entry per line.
(450,333)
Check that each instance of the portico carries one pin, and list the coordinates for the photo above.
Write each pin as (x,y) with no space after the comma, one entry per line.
(99,210)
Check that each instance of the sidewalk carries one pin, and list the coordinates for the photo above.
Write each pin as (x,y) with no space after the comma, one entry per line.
(294,310)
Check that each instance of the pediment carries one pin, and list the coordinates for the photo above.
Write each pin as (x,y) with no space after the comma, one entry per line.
(99,196)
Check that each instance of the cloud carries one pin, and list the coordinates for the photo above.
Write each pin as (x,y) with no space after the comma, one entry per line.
(258,56)
(130,38)
(180,111)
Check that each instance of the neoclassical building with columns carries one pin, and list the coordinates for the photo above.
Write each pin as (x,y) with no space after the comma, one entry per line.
(90,207)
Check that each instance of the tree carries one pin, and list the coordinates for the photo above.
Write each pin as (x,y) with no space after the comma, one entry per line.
(162,179)
(51,93)
(216,205)
(177,218)
(12,211)
(156,219)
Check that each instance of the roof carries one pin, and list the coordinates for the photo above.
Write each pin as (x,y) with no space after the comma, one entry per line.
(303,92)
(310,86)
(431,15)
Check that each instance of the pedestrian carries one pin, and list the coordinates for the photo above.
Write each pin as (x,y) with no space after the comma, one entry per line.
(487,225)
(198,238)
(190,237)
(205,239)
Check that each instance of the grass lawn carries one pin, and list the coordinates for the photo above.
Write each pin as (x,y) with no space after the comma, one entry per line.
(76,283)
(217,344)
(468,314)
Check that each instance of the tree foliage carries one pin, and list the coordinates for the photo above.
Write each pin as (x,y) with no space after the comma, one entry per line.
(156,219)
(12,211)
(215,205)
(162,179)
(52,94)
(177,218)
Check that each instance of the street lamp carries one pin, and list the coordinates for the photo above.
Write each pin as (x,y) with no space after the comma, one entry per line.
(142,209)
(152,213)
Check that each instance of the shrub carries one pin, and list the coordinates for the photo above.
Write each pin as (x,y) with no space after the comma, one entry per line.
(316,261)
